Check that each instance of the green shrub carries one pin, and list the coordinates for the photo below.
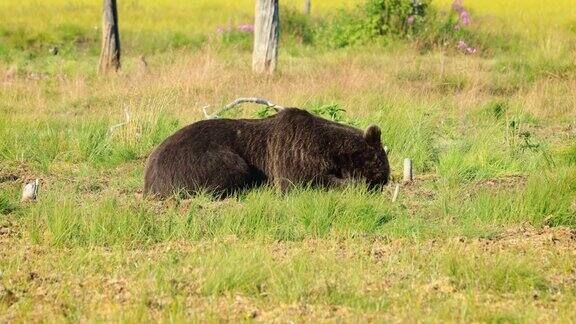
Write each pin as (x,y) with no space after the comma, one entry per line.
(394,17)
(375,20)
(332,112)
(380,21)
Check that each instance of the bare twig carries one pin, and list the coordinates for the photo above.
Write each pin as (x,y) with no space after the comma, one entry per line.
(143,65)
(239,101)
(206,114)
(126,121)
(396,192)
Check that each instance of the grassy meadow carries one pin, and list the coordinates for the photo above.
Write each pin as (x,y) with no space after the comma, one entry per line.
(485,233)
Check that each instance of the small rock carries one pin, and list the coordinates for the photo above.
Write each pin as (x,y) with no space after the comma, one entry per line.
(30,190)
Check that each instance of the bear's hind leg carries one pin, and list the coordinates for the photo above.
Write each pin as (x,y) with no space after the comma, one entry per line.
(224,172)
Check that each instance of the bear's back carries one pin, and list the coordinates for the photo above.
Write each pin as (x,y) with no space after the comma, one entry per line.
(300,128)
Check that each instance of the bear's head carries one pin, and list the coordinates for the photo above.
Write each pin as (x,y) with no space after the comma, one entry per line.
(370,161)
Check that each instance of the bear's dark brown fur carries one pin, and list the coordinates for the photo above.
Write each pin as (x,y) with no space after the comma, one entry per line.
(291,147)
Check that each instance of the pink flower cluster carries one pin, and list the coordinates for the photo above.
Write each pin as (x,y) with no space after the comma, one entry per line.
(246,28)
(410,20)
(465,48)
(463,20)
(243,28)
(463,14)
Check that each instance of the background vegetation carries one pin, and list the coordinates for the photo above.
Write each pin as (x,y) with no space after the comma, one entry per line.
(485,233)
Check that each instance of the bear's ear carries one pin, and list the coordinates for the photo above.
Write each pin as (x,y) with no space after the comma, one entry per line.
(372,135)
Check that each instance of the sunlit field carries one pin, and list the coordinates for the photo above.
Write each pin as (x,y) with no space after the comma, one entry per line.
(142,16)
(205,15)
(485,233)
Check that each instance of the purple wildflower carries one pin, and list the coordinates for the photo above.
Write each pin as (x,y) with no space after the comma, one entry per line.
(462,45)
(464,17)
(410,19)
(457,5)
(220,30)
(463,14)
(246,28)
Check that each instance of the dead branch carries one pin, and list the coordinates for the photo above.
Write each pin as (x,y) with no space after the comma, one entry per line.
(206,114)
(239,101)
(396,192)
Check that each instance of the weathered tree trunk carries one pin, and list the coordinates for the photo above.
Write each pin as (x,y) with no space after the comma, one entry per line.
(307,6)
(110,55)
(266,33)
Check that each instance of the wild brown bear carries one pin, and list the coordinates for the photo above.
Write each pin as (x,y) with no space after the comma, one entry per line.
(289,148)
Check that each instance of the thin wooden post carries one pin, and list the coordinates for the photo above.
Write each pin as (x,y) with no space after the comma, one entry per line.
(110,54)
(266,34)
(307,6)
(407,170)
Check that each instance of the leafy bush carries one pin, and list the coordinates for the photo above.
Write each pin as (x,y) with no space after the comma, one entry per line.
(375,19)
(330,111)
(379,21)
(394,17)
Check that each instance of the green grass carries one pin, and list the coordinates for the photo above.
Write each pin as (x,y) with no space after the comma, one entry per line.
(485,233)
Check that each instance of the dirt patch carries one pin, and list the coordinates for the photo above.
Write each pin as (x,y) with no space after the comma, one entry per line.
(416,194)
(8,177)
(561,236)
(506,182)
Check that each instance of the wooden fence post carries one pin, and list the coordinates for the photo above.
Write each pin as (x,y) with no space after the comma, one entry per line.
(407,170)
(307,6)
(110,54)
(266,34)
